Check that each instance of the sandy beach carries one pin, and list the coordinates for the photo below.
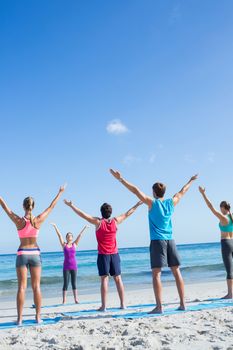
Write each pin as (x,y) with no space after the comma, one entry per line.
(207,329)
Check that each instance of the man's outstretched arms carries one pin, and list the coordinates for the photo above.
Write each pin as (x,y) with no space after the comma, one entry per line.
(91,219)
(122,217)
(132,188)
(177,197)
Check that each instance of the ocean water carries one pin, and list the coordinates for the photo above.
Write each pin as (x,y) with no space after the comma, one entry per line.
(199,262)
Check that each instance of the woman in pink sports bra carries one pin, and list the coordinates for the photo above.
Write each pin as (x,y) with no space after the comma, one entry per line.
(28,254)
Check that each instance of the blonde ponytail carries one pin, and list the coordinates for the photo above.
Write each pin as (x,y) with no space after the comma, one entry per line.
(28,205)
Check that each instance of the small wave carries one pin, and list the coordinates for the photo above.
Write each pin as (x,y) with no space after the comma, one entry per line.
(196,268)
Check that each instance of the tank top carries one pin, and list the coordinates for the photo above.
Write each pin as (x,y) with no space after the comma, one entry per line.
(28,230)
(228,227)
(160,219)
(70,262)
(106,237)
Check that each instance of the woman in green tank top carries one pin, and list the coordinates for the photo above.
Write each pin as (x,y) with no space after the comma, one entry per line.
(226,228)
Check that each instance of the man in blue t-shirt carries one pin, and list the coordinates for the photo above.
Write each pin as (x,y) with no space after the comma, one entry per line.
(163,250)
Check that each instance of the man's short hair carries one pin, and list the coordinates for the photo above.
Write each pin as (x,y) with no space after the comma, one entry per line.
(159,189)
(106,210)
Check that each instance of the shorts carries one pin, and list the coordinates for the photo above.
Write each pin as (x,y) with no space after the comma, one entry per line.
(28,258)
(163,253)
(109,264)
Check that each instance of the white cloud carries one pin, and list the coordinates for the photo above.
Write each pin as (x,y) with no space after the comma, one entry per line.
(130,159)
(116,127)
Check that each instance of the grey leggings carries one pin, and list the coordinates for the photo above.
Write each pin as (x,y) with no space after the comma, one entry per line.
(66,276)
(227,256)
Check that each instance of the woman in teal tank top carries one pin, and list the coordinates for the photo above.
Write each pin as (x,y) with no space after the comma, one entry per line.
(226,227)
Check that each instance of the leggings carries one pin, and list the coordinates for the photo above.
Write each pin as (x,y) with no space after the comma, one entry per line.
(66,277)
(227,256)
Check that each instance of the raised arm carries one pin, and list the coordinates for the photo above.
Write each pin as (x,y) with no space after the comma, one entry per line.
(124,216)
(61,240)
(15,218)
(41,218)
(177,197)
(135,190)
(80,235)
(91,219)
(217,213)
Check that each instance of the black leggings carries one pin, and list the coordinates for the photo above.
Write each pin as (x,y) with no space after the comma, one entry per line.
(227,256)
(66,277)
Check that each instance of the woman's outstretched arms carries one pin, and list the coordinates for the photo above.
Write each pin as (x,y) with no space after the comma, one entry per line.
(177,197)
(59,235)
(91,219)
(41,218)
(132,188)
(129,212)
(80,235)
(217,213)
(15,218)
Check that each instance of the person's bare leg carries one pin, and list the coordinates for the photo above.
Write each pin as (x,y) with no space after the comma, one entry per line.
(64,292)
(157,286)
(229,289)
(120,290)
(35,281)
(104,292)
(22,286)
(75,293)
(180,286)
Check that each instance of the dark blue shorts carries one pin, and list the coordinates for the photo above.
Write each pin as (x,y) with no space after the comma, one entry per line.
(109,264)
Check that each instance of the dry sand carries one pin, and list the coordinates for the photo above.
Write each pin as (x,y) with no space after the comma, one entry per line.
(207,329)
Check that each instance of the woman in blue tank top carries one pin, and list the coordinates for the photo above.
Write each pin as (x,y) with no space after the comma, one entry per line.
(226,228)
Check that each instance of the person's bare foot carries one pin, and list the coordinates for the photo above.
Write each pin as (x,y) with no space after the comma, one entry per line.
(123,307)
(156,310)
(181,307)
(76,302)
(228,296)
(19,322)
(39,321)
(102,308)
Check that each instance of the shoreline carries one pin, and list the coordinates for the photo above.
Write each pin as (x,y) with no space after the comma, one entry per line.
(57,288)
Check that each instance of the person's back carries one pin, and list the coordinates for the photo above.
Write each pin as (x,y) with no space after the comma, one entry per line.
(160,222)
(106,236)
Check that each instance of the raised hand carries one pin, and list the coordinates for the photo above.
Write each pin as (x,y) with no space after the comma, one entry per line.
(201,189)
(52,223)
(69,203)
(116,174)
(194,177)
(62,188)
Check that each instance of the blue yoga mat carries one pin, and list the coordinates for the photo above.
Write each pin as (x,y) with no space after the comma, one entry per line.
(198,307)
(29,323)
(92,311)
(68,304)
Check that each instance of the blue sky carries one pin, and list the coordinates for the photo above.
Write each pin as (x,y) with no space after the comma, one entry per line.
(159,72)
